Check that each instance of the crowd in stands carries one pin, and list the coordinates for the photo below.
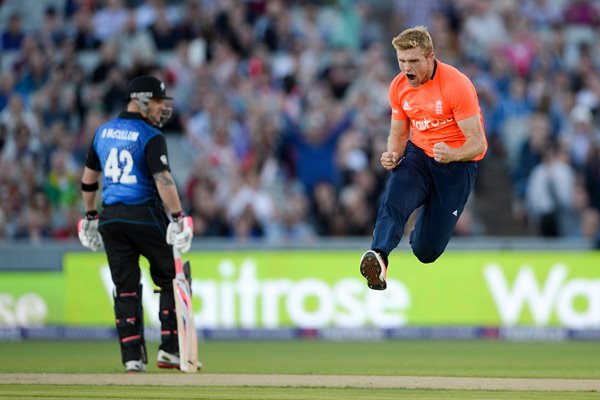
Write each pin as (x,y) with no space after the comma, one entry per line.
(282,107)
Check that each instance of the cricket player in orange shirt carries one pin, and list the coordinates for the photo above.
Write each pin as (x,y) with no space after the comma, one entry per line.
(436,139)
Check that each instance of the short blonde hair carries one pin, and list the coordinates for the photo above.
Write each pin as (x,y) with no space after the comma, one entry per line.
(414,37)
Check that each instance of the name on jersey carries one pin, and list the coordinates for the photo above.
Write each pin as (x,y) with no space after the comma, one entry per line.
(427,123)
(120,134)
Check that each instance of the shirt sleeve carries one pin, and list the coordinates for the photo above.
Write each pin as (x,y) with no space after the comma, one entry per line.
(394,98)
(92,160)
(462,96)
(156,155)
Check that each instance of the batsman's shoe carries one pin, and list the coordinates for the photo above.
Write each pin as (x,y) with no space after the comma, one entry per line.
(167,360)
(374,270)
(135,366)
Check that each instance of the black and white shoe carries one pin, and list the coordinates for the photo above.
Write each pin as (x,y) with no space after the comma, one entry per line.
(374,270)
(167,360)
(135,366)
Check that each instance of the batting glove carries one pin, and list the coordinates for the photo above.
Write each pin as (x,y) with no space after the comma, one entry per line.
(87,230)
(180,232)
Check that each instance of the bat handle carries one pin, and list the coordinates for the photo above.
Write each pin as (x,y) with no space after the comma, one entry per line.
(178,262)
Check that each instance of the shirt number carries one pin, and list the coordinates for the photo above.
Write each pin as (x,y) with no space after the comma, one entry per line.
(113,170)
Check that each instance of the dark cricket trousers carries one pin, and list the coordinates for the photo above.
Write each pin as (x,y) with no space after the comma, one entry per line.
(128,232)
(441,189)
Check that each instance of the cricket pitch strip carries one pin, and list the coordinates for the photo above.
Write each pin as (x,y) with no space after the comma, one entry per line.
(351,381)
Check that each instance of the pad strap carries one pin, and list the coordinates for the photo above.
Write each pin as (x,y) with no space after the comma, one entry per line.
(129,321)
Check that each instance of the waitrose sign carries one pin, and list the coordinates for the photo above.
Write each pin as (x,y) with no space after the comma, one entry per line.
(313,289)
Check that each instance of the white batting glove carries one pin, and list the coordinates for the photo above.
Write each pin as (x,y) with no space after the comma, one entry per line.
(87,230)
(180,232)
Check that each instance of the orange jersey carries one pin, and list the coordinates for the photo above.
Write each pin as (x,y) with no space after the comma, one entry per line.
(434,107)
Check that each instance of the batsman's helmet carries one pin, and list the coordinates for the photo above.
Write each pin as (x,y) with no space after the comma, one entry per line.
(145,88)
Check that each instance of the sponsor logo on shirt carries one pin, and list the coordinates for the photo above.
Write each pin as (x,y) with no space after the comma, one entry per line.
(427,123)
(438,107)
(406,106)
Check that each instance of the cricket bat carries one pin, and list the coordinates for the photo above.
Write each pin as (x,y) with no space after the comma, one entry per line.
(186,329)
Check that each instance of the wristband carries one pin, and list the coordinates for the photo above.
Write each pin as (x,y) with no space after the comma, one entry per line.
(91,215)
(178,216)
(89,187)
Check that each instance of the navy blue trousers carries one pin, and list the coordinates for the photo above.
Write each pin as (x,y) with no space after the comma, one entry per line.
(441,189)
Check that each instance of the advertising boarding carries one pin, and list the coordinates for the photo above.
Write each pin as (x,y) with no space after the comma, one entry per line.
(320,290)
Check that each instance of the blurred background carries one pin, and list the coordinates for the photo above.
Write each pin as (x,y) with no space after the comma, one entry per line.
(281,110)
(281,114)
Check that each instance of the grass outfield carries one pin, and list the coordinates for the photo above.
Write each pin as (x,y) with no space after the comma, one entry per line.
(573,360)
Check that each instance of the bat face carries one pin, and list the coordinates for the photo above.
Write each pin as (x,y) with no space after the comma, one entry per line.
(186,328)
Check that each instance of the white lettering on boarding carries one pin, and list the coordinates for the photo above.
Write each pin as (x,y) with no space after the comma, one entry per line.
(28,309)
(557,295)
(240,299)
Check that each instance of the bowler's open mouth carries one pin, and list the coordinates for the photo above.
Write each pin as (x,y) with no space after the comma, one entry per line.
(411,77)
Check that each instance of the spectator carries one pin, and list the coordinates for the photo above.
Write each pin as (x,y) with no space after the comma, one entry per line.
(324,205)
(109,20)
(35,223)
(483,30)
(521,48)
(543,15)
(7,82)
(531,152)
(113,91)
(82,30)
(34,76)
(358,213)
(583,221)
(163,33)
(549,193)
(13,36)
(250,208)
(511,115)
(147,13)
(108,59)
(290,225)
(61,185)
(17,115)
(590,226)
(580,17)
(314,147)
(52,31)
(53,103)
(134,43)
(239,66)
(591,175)
(66,228)
(579,135)
(406,14)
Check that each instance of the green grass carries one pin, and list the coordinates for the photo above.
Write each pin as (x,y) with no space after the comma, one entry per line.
(442,358)
(422,358)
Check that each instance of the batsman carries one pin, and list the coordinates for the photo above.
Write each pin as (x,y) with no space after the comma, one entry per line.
(138,195)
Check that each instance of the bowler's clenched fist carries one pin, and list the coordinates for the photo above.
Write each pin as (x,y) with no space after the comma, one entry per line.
(442,153)
(389,160)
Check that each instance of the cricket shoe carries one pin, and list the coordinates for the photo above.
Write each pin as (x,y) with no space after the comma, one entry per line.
(135,366)
(374,270)
(167,360)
